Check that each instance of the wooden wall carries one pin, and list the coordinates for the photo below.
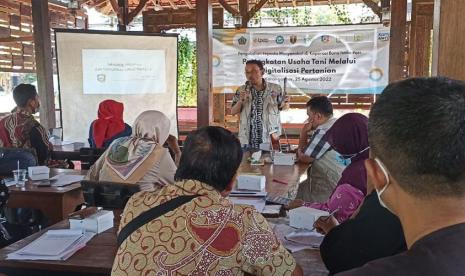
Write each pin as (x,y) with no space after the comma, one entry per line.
(449,38)
(421,38)
(16,38)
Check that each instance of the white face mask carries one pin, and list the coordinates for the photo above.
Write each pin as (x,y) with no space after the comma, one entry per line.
(381,202)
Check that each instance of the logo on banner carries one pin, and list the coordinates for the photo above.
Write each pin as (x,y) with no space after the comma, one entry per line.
(242,40)
(376,74)
(279,39)
(101,77)
(293,39)
(308,39)
(325,38)
(216,61)
(358,37)
(383,36)
(261,40)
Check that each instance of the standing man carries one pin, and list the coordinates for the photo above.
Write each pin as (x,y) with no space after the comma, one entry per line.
(258,103)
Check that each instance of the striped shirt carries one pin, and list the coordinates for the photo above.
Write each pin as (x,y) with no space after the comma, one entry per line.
(318,145)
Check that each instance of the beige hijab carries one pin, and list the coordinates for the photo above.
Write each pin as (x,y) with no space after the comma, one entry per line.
(131,157)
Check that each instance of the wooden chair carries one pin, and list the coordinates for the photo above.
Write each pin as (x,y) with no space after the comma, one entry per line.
(88,156)
(109,195)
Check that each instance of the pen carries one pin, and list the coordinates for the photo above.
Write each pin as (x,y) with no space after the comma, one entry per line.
(330,214)
(280,181)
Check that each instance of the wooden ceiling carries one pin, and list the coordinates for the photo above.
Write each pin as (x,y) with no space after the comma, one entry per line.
(108,6)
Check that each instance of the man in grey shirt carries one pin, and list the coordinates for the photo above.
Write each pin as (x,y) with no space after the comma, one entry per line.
(417,166)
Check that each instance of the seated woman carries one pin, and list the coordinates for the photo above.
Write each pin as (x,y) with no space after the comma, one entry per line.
(109,125)
(372,233)
(141,158)
(349,137)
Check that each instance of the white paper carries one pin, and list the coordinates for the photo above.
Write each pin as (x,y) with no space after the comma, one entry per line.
(65,179)
(305,239)
(272,209)
(53,245)
(257,155)
(258,203)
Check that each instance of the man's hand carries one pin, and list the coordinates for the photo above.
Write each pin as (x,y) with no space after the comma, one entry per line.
(243,95)
(325,224)
(307,128)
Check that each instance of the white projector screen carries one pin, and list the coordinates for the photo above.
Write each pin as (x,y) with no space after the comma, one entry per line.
(139,70)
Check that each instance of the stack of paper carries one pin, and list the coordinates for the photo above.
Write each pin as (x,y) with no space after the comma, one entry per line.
(258,203)
(65,179)
(54,245)
(297,239)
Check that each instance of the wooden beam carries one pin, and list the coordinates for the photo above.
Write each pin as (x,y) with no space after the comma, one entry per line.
(189,4)
(373,6)
(244,12)
(228,7)
(397,44)
(137,10)
(115,7)
(123,15)
(449,50)
(255,9)
(173,5)
(204,63)
(44,65)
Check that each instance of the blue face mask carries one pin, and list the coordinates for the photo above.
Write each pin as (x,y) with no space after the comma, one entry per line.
(346,159)
(343,161)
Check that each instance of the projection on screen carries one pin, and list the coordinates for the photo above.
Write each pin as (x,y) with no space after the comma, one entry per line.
(123,71)
(137,69)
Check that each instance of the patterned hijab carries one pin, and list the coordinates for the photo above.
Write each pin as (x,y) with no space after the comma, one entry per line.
(109,123)
(349,136)
(131,157)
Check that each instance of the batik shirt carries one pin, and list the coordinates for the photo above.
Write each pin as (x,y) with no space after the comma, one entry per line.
(21,130)
(256,116)
(206,236)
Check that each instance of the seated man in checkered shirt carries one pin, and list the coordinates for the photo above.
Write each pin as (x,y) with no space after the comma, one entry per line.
(324,171)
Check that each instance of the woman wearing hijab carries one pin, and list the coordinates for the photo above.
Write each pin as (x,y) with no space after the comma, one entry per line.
(349,137)
(373,232)
(109,125)
(141,158)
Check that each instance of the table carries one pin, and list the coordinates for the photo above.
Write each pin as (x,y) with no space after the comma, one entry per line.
(69,151)
(54,202)
(292,175)
(94,259)
(98,255)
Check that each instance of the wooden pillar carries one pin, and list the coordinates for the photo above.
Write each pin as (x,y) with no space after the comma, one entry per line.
(397,45)
(449,26)
(204,63)
(124,15)
(244,10)
(44,62)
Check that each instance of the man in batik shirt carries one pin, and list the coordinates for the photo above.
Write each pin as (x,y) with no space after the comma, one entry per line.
(20,130)
(208,235)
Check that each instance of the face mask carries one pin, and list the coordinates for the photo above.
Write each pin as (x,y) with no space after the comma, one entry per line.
(343,161)
(346,159)
(381,202)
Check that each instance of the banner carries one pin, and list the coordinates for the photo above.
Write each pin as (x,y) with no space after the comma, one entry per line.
(351,59)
